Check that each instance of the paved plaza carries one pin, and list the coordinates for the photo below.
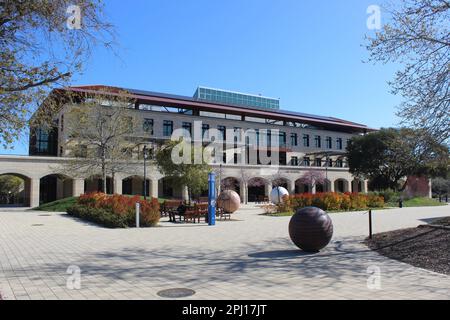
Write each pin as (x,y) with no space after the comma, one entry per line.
(250,257)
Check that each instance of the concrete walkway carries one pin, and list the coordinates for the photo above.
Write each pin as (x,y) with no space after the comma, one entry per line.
(250,258)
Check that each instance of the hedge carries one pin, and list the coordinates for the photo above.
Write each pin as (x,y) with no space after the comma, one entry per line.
(335,201)
(116,211)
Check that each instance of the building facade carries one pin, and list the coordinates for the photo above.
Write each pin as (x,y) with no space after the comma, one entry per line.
(309,149)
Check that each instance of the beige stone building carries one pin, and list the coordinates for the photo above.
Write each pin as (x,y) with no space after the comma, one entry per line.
(309,149)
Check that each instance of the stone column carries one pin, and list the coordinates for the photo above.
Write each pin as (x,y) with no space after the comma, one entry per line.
(243,191)
(77,187)
(117,185)
(291,187)
(59,189)
(365,186)
(34,192)
(331,189)
(430,190)
(185,193)
(153,188)
(268,188)
(313,189)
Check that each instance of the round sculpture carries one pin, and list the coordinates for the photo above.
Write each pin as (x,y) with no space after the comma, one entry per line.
(277,194)
(311,229)
(229,201)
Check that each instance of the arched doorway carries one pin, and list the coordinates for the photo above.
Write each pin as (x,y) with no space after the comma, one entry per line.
(231,183)
(95,184)
(341,185)
(53,187)
(134,185)
(301,187)
(14,190)
(256,189)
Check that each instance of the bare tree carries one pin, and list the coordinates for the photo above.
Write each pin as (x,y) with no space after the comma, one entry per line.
(312,178)
(418,36)
(99,136)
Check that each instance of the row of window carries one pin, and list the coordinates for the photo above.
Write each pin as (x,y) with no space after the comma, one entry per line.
(168,130)
(339,163)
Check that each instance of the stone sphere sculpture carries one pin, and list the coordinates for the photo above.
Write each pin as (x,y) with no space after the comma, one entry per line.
(229,201)
(277,194)
(311,229)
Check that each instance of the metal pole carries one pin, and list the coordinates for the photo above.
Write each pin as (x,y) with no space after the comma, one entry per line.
(145,173)
(370,223)
(138,209)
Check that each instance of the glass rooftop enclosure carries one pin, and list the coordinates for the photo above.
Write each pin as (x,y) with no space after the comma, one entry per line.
(236,98)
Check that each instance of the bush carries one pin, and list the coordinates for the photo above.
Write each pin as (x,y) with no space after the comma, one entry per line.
(116,211)
(336,201)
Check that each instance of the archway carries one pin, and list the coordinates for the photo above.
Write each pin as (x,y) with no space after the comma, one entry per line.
(134,185)
(256,189)
(53,187)
(301,187)
(341,185)
(95,184)
(281,182)
(169,187)
(14,190)
(231,183)
(357,186)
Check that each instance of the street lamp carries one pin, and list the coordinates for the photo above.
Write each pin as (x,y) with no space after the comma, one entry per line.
(145,152)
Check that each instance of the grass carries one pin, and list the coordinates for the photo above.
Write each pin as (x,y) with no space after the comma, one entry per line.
(418,202)
(58,205)
(62,204)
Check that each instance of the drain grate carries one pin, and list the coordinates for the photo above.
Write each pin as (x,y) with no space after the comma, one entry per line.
(176,293)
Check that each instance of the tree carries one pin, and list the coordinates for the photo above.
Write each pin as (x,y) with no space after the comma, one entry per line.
(98,136)
(389,155)
(190,174)
(10,186)
(440,186)
(43,44)
(418,36)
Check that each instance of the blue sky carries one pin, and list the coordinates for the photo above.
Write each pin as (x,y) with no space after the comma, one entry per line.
(307,53)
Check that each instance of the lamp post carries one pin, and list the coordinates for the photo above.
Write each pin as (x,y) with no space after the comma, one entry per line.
(145,151)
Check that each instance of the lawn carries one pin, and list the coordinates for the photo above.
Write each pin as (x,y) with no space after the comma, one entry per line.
(418,202)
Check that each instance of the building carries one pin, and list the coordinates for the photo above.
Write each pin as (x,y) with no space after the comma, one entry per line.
(306,145)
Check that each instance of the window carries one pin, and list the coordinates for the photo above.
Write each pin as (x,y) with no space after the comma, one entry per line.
(269,138)
(282,139)
(306,161)
(329,163)
(187,126)
(329,142)
(294,161)
(339,143)
(167,128)
(317,141)
(222,133)
(147,126)
(237,134)
(339,163)
(306,140)
(318,162)
(205,131)
(62,122)
(293,139)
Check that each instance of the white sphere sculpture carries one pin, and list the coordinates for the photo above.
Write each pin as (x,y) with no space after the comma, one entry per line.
(277,194)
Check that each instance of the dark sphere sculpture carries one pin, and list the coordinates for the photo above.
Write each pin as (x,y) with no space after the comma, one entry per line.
(311,229)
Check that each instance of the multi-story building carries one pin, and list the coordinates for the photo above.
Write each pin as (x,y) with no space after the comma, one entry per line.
(306,145)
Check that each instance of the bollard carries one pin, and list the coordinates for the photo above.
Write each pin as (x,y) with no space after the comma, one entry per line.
(138,209)
(370,223)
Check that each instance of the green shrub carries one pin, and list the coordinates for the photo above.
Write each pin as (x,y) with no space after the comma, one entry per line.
(99,216)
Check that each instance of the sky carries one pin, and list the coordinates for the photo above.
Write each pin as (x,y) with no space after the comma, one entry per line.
(310,54)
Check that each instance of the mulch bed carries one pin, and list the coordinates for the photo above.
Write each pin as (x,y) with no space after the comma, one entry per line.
(424,247)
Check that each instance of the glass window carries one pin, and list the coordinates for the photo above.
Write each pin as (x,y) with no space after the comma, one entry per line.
(329,143)
(306,161)
(318,162)
(339,163)
(339,143)
(187,126)
(293,139)
(147,126)
(205,131)
(294,161)
(282,139)
(167,128)
(317,141)
(222,132)
(306,140)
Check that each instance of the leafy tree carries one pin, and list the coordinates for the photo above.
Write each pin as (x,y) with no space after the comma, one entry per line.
(10,186)
(441,186)
(192,175)
(39,50)
(389,155)
(418,36)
